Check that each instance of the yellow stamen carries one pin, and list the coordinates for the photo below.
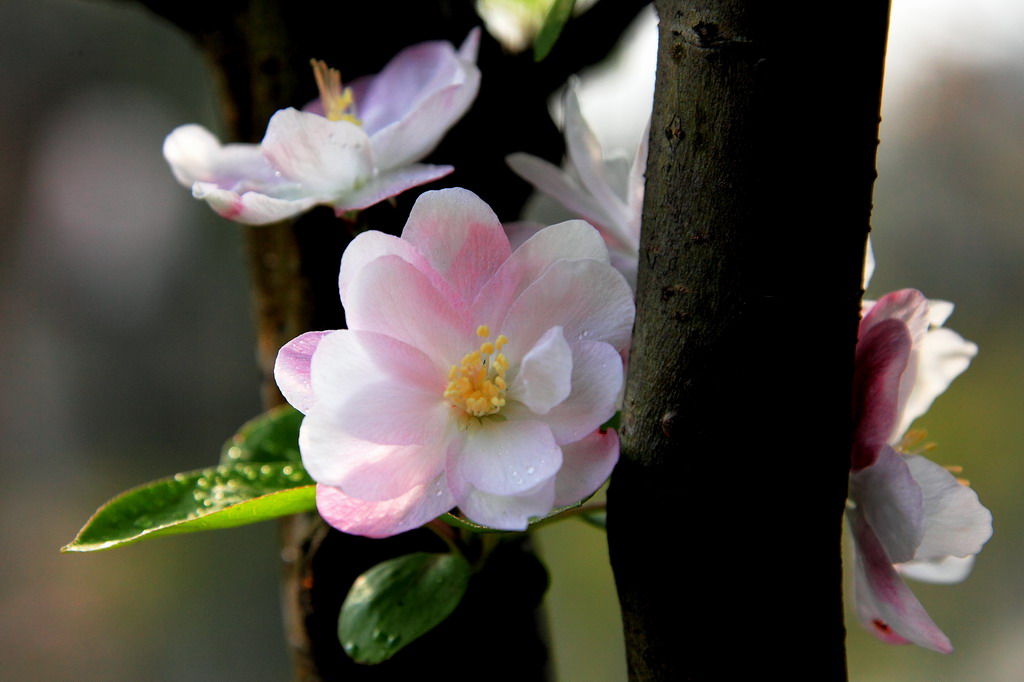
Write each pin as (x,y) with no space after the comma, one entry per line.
(913,443)
(339,103)
(477,385)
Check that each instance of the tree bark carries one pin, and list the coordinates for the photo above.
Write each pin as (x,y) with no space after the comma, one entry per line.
(725,512)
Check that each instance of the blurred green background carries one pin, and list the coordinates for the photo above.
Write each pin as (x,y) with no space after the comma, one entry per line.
(125,348)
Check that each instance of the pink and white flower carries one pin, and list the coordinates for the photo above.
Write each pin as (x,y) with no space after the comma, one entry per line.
(606,191)
(470,375)
(352,148)
(908,515)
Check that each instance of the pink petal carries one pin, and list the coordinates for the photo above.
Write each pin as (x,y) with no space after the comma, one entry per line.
(955,522)
(383,519)
(410,76)
(470,46)
(885,605)
(505,457)
(597,377)
(882,356)
(418,97)
(588,298)
(586,465)
(506,512)
(907,305)
(363,469)
(251,208)
(460,237)
(413,137)
(326,157)
(388,184)
(572,240)
(371,245)
(545,374)
(892,502)
(390,296)
(291,371)
(379,389)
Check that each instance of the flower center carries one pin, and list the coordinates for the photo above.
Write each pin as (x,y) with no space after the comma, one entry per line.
(339,103)
(477,385)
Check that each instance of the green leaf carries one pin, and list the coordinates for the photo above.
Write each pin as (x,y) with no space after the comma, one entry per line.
(554,22)
(271,437)
(219,497)
(399,600)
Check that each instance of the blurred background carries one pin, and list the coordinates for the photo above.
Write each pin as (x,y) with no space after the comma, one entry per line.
(126,347)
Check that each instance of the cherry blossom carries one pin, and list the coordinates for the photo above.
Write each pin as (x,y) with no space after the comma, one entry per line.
(351,148)
(470,375)
(607,191)
(908,515)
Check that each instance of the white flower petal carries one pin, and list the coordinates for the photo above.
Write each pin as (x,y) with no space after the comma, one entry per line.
(586,464)
(251,208)
(383,519)
(388,184)
(948,570)
(597,377)
(955,523)
(591,301)
(390,296)
(572,240)
(585,154)
(325,157)
(885,605)
(505,457)
(891,500)
(506,512)
(369,471)
(559,185)
(379,389)
(544,377)
(940,357)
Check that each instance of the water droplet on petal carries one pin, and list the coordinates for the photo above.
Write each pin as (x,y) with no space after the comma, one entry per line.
(530,470)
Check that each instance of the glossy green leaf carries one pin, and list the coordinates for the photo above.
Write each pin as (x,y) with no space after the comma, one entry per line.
(271,437)
(399,600)
(554,22)
(219,497)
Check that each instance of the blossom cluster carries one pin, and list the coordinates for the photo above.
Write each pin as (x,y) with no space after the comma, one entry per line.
(478,376)
(351,148)
(908,515)
(470,375)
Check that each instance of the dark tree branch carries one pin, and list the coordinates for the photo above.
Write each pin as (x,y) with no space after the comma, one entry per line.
(725,512)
